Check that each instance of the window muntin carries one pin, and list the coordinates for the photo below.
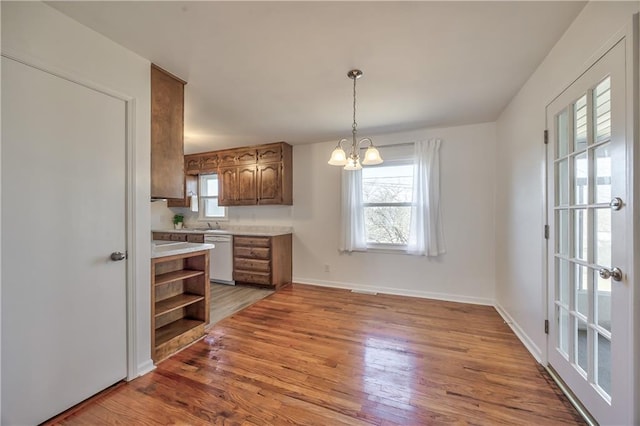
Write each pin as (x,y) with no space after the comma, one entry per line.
(209,208)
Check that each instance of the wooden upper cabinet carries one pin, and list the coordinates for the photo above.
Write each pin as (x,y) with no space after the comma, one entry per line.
(226,158)
(269,153)
(270,183)
(246,155)
(190,188)
(167,132)
(209,163)
(247,188)
(192,164)
(227,185)
(254,175)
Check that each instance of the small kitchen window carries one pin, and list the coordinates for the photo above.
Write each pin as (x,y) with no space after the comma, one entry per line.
(209,208)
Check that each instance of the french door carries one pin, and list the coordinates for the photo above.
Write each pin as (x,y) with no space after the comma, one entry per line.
(588,294)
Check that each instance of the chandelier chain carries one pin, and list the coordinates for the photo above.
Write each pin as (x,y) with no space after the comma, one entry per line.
(355,125)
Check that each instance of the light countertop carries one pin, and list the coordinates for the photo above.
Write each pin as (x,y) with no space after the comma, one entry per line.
(171,248)
(260,231)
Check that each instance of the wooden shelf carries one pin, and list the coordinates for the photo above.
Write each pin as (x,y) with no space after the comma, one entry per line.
(179,302)
(177,276)
(176,302)
(166,333)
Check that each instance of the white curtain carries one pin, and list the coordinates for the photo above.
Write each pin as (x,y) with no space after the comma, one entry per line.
(353,230)
(426,237)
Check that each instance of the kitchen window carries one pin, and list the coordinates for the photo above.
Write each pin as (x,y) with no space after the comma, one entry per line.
(209,208)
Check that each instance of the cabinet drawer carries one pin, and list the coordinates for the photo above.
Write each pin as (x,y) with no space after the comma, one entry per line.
(252,252)
(252,264)
(252,277)
(195,238)
(178,237)
(165,236)
(251,241)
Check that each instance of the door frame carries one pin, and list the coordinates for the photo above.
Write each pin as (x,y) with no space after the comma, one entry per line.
(631,34)
(130,195)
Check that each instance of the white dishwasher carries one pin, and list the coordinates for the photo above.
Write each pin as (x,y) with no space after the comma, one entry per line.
(221,258)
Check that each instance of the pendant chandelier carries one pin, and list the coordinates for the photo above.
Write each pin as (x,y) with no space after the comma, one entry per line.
(352,162)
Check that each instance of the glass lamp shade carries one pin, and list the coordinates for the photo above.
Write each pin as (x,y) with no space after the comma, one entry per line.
(371,157)
(338,157)
(353,164)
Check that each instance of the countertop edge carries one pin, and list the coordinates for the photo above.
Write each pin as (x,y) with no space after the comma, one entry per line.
(226,232)
(192,248)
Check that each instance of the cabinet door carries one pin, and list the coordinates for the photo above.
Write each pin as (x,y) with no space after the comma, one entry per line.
(270,153)
(192,164)
(167,117)
(227,184)
(209,163)
(226,158)
(270,183)
(190,188)
(246,156)
(247,188)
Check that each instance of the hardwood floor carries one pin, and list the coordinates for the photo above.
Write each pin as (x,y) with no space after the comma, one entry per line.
(226,300)
(318,356)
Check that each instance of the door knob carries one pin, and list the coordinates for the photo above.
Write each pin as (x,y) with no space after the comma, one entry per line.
(616,203)
(615,274)
(116,256)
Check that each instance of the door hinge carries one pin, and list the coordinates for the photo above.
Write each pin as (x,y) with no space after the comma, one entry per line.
(546,326)
(546,232)
(546,137)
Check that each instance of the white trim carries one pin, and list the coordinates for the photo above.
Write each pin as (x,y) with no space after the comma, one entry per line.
(396,291)
(520,333)
(130,142)
(629,34)
(144,368)
(632,55)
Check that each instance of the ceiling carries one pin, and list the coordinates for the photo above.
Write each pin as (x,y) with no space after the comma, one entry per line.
(265,71)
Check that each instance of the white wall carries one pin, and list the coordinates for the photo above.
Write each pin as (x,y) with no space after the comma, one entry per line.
(465,272)
(39,34)
(520,289)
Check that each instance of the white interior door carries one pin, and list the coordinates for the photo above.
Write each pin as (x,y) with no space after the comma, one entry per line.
(63,214)
(589,295)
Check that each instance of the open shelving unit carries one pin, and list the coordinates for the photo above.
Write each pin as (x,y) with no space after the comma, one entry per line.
(179,301)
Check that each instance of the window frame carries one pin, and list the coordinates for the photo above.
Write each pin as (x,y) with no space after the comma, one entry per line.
(202,201)
(388,247)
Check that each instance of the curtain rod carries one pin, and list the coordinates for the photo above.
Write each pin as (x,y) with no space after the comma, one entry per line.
(390,145)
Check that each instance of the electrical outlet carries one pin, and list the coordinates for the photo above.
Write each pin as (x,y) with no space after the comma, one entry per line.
(327,268)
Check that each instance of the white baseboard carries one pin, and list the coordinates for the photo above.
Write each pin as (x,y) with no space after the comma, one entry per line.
(397,291)
(519,332)
(144,368)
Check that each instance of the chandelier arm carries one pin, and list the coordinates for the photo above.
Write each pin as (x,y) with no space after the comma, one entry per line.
(339,144)
(365,140)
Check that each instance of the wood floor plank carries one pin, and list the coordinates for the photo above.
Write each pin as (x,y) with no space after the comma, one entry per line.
(319,356)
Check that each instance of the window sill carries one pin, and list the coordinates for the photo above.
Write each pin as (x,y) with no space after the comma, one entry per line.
(380,248)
